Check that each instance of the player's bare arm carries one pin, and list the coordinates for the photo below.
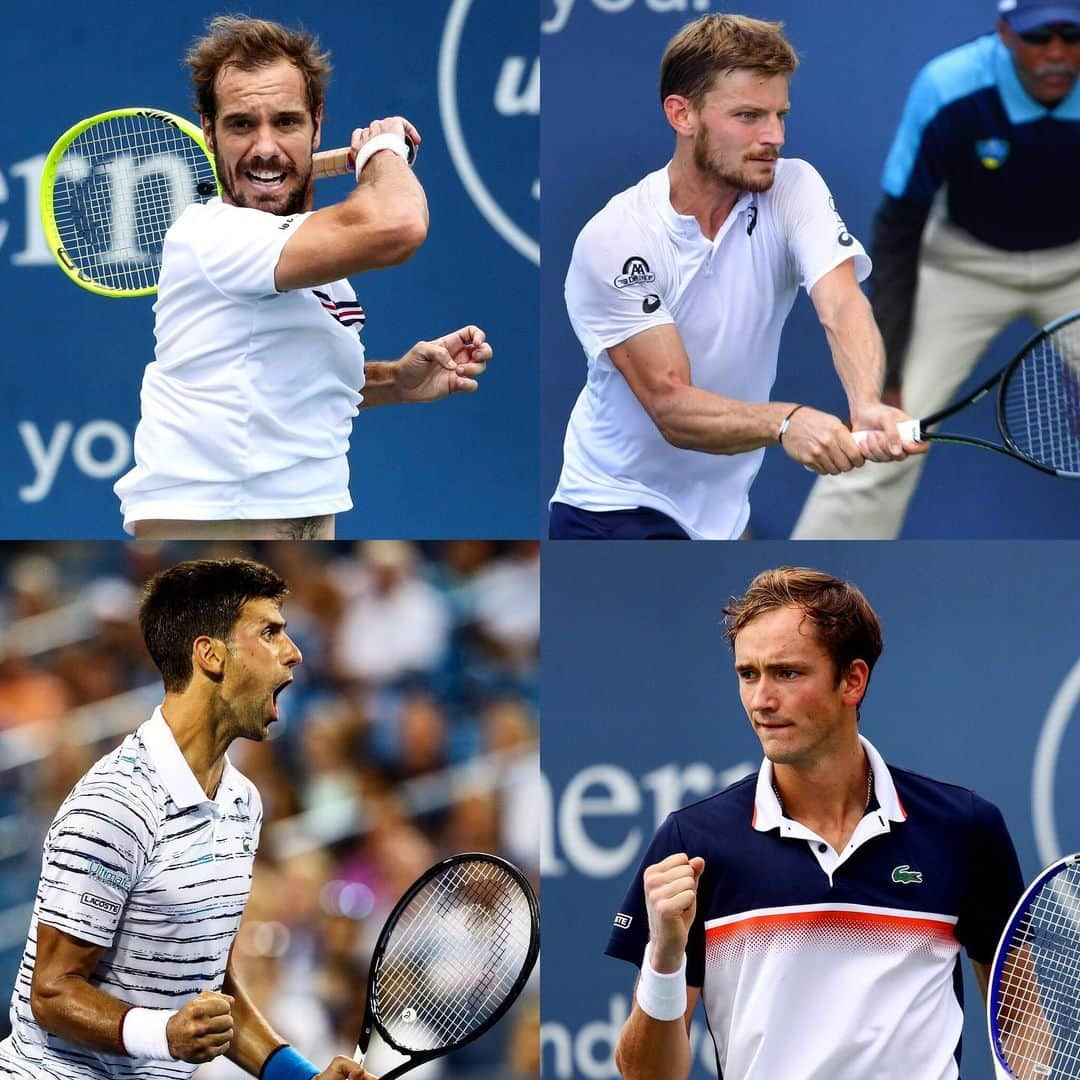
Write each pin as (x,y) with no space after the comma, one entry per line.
(859,357)
(657,368)
(649,1047)
(382,221)
(65,1004)
(430,370)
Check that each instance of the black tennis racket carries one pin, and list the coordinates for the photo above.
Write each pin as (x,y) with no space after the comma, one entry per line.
(451,958)
(1038,404)
(1033,1005)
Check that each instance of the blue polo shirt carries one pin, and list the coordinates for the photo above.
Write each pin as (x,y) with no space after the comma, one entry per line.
(827,965)
(1010,166)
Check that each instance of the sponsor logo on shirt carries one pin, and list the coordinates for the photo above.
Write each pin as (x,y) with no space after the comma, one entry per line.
(623,921)
(992,152)
(635,271)
(844,238)
(904,875)
(751,219)
(113,877)
(287,223)
(650,303)
(102,905)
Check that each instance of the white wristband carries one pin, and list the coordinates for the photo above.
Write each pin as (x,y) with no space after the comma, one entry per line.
(386,141)
(143,1033)
(663,997)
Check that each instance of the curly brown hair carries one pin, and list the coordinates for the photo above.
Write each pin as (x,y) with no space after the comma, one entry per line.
(715,44)
(246,43)
(846,624)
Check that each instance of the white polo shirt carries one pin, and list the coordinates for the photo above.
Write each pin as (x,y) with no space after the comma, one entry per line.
(247,408)
(638,264)
(140,861)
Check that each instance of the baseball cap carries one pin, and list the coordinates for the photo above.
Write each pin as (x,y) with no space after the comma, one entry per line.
(1024,15)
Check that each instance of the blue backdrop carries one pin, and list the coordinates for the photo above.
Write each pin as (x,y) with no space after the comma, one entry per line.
(466,72)
(603,129)
(978,685)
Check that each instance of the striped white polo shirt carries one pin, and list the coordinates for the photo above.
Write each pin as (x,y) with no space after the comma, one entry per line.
(140,861)
(817,964)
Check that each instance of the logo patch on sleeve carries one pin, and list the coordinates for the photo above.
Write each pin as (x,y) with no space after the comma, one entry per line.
(113,877)
(102,905)
(635,271)
(623,921)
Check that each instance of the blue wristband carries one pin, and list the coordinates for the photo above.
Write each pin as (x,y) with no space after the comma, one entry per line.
(286,1064)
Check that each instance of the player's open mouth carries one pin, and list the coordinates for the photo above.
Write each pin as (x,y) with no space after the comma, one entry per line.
(269,181)
(274,697)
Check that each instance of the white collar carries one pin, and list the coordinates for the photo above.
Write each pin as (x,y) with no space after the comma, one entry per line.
(184,790)
(768,814)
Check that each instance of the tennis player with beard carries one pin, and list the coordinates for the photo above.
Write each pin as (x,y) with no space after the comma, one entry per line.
(678,291)
(259,370)
(146,869)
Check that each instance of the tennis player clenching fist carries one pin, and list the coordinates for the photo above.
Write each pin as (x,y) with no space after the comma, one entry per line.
(259,371)
(128,970)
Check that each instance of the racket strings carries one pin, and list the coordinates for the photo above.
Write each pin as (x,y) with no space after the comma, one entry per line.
(1041,400)
(454,956)
(1037,1001)
(119,186)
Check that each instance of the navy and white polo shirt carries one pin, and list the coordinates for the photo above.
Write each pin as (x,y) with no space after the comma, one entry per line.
(140,861)
(826,965)
(1010,166)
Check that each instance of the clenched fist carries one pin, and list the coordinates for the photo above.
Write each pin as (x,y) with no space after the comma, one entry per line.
(671,903)
(203,1029)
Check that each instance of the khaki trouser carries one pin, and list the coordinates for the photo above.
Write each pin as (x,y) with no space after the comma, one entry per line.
(967,294)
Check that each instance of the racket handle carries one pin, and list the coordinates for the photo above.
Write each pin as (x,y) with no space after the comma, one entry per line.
(359,1055)
(340,162)
(909,431)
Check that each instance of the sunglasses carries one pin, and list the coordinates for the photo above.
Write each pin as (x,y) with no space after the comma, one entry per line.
(1043,35)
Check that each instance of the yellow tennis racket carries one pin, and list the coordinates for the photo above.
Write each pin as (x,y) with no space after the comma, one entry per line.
(113,185)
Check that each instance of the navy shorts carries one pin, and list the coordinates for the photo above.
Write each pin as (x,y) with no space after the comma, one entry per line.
(641,523)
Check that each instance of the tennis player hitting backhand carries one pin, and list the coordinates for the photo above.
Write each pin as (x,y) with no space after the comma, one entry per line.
(259,371)
(147,866)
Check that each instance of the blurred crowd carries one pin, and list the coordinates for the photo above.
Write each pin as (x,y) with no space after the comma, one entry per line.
(410,733)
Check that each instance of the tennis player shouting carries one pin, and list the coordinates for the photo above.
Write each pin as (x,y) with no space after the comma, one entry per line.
(817,908)
(146,868)
(678,290)
(259,370)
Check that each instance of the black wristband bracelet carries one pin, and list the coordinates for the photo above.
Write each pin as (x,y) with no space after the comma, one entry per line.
(784,425)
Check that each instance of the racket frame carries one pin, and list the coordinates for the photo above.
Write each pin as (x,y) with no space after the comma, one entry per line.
(48,181)
(1010,449)
(419,1057)
(1001,952)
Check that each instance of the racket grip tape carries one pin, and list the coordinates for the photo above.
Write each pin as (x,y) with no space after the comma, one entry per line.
(342,162)
(909,431)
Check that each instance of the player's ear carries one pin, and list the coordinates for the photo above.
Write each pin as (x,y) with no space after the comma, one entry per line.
(853,681)
(680,114)
(208,131)
(317,137)
(208,656)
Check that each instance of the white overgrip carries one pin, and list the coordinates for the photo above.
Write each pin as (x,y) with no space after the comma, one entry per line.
(908,429)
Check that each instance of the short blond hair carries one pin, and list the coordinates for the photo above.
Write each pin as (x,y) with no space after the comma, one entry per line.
(715,44)
(236,40)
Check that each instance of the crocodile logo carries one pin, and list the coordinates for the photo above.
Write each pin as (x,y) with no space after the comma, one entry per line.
(904,875)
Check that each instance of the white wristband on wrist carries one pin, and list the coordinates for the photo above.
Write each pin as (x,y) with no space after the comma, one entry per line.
(398,144)
(663,997)
(143,1033)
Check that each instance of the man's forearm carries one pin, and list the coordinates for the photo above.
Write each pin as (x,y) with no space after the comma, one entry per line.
(380,384)
(80,1013)
(857,350)
(650,1048)
(253,1037)
(695,419)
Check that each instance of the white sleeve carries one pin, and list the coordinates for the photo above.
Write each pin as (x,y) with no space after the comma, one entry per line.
(238,249)
(617,284)
(818,240)
(95,851)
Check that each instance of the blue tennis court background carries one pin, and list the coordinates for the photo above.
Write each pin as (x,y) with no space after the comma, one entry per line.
(72,362)
(603,129)
(642,714)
